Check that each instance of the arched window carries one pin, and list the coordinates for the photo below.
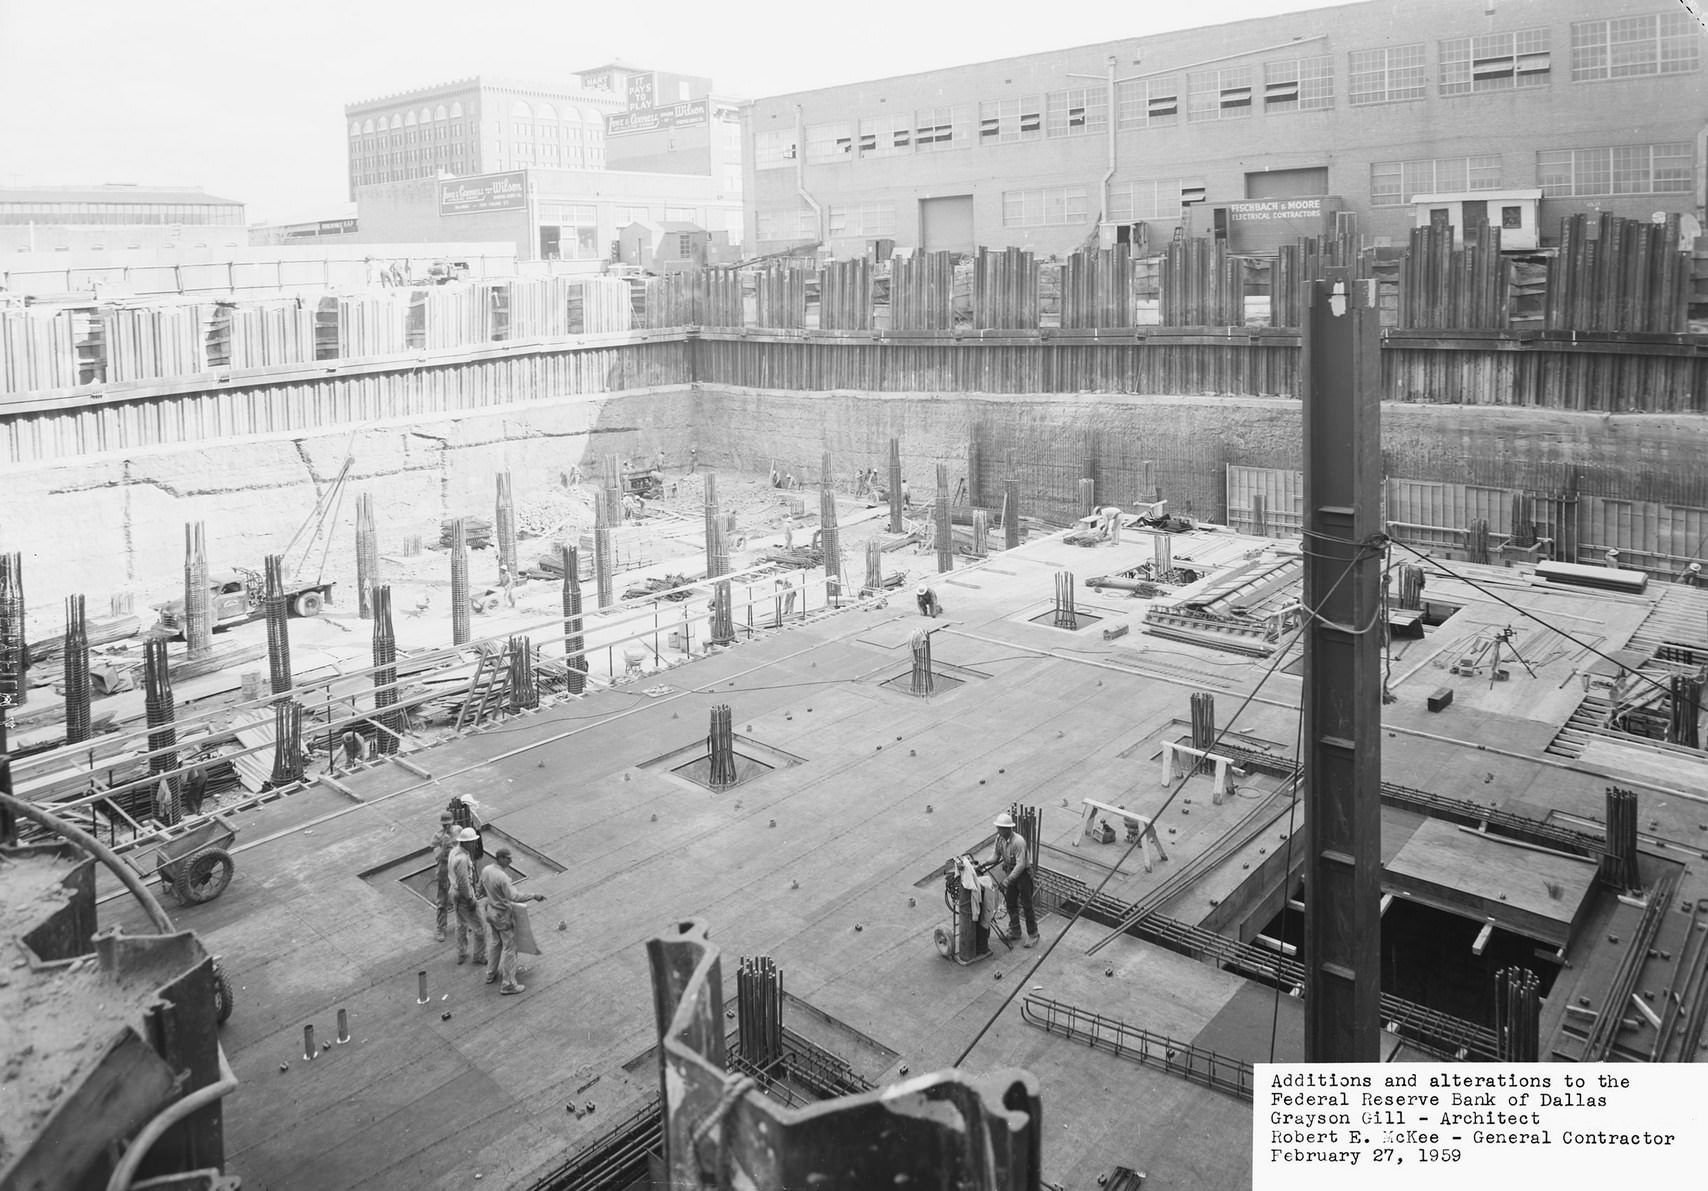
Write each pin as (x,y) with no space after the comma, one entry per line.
(457,110)
(397,121)
(355,129)
(521,111)
(368,124)
(440,114)
(545,112)
(410,119)
(426,115)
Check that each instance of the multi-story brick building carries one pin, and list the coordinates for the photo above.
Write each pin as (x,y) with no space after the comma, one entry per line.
(1513,112)
(114,217)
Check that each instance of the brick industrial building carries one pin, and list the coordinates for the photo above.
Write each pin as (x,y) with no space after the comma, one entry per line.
(1264,128)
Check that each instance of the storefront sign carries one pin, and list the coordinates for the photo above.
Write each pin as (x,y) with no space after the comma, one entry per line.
(1284,208)
(678,115)
(488,192)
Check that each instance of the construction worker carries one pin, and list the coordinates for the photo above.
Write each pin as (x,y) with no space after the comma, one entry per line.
(906,496)
(442,843)
(464,891)
(693,460)
(1693,575)
(507,582)
(195,789)
(928,603)
(1013,874)
(1111,527)
(500,900)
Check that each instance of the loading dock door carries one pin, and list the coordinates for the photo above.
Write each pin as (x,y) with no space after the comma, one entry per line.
(946,224)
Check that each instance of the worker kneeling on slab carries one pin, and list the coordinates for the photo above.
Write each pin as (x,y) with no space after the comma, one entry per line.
(1013,875)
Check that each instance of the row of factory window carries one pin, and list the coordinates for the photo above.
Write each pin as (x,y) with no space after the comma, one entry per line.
(380,142)
(80,214)
(587,214)
(1621,48)
(406,119)
(1621,169)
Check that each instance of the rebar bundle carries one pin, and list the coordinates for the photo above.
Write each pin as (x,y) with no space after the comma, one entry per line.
(1010,513)
(287,742)
(14,651)
(720,748)
(1162,549)
(367,555)
(162,732)
(1523,519)
(611,492)
(1517,1020)
(945,535)
(278,630)
(1067,616)
(198,600)
(1087,497)
(524,691)
(717,557)
(460,610)
(1203,726)
(1411,587)
(1685,712)
(924,679)
(1618,867)
(723,614)
(602,554)
(76,672)
(385,674)
(981,532)
(895,485)
(759,1011)
(1259,516)
(874,564)
(504,524)
(1477,542)
(1029,822)
(575,656)
(830,539)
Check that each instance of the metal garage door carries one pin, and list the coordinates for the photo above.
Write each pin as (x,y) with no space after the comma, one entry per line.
(946,224)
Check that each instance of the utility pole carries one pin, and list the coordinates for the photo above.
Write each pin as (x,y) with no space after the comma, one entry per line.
(1342,709)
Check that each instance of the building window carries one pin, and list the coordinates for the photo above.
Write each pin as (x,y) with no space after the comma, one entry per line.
(1620,169)
(1078,111)
(1147,103)
(628,215)
(1627,47)
(682,215)
(830,142)
(773,150)
(1512,217)
(940,128)
(795,224)
(1494,62)
(457,110)
(870,220)
(1158,199)
(1393,183)
(1386,75)
(1219,94)
(1002,121)
(885,136)
(1050,207)
(1298,84)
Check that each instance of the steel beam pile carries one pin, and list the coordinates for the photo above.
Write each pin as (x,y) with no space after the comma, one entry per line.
(385,674)
(924,678)
(1618,868)
(287,742)
(198,600)
(76,672)
(367,555)
(504,524)
(895,485)
(720,747)
(945,534)
(1067,615)
(1517,1022)
(278,629)
(460,610)
(524,691)
(759,1011)
(158,708)
(574,655)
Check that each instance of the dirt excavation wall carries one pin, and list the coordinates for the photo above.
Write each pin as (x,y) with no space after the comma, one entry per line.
(112,523)
(1189,442)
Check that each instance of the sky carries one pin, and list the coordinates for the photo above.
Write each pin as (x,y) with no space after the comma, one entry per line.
(246,101)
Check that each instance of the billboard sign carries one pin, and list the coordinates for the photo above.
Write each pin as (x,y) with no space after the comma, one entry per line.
(677,115)
(640,91)
(326,227)
(1271,210)
(485,192)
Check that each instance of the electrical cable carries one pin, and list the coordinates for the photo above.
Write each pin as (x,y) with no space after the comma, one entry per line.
(1137,842)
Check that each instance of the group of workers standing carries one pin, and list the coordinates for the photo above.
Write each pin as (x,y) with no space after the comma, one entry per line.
(484,904)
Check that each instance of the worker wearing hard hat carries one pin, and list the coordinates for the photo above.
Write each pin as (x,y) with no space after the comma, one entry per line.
(500,899)
(442,843)
(1013,873)
(464,890)
(1693,575)
(928,602)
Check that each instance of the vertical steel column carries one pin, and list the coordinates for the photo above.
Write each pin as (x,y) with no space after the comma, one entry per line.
(717,559)
(287,742)
(198,600)
(945,530)
(76,672)
(602,551)
(1011,513)
(895,485)
(830,539)
(504,524)
(157,706)
(973,472)
(14,647)
(459,582)
(1087,496)
(874,565)
(1343,676)
(1067,615)
(924,678)
(278,628)
(385,674)
(723,614)
(573,647)
(720,748)
(524,691)
(981,532)
(367,556)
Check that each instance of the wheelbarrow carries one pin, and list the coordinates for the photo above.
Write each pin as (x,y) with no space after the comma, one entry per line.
(196,866)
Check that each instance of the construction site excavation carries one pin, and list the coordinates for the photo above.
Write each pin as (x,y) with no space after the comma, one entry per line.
(869,714)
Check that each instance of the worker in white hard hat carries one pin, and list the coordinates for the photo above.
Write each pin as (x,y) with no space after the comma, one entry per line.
(929,605)
(1693,575)
(1013,874)
(442,843)
(499,901)
(1111,523)
(464,891)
